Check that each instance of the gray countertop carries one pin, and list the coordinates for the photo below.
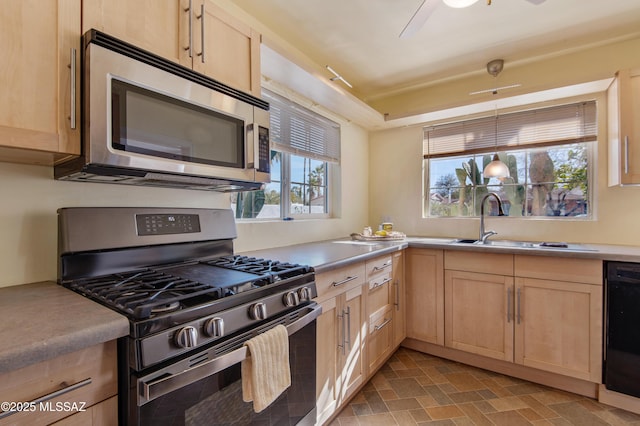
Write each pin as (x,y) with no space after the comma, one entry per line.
(41,321)
(325,255)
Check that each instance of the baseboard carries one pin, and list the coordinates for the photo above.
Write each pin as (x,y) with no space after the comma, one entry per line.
(619,400)
(569,384)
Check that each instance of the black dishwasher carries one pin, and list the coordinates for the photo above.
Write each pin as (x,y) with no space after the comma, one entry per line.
(622,338)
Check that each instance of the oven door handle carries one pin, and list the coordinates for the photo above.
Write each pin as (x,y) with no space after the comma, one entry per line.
(164,384)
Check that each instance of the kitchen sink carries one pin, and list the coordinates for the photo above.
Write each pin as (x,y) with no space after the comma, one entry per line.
(525,244)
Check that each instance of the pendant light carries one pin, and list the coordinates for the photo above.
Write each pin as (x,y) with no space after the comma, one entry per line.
(496,168)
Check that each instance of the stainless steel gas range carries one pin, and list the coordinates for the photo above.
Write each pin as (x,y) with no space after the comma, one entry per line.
(191,305)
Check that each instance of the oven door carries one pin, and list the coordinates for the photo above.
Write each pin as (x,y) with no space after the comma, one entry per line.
(206,389)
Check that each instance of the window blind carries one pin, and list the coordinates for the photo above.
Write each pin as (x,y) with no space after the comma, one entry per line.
(299,131)
(546,126)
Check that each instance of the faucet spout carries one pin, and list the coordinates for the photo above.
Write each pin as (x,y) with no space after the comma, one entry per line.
(482,237)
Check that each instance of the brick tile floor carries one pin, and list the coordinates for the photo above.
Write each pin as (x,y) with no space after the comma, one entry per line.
(413,388)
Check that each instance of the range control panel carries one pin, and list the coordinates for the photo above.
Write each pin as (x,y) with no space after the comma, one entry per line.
(164,224)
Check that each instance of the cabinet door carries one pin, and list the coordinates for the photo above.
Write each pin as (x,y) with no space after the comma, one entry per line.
(226,49)
(354,328)
(479,313)
(37,110)
(629,125)
(153,25)
(326,356)
(398,297)
(558,327)
(425,295)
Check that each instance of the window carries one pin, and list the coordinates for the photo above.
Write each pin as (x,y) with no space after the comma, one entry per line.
(548,152)
(304,147)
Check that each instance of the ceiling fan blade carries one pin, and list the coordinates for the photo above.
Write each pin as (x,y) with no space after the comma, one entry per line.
(536,2)
(419,18)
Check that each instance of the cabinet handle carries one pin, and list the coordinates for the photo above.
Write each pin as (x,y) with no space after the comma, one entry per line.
(73,87)
(66,389)
(509,305)
(348,314)
(380,268)
(201,17)
(626,155)
(341,319)
(397,301)
(379,327)
(346,280)
(380,284)
(518,307)
(190,47)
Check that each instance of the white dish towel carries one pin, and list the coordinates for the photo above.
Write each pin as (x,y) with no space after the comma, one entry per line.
(265,371)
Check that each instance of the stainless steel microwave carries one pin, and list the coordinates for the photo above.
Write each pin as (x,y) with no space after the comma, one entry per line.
(149,121)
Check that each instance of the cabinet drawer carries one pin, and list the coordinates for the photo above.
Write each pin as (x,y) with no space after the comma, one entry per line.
(379,292)
(85,377)
(588,271)
(486,263)
(380,337)
(336,281)
(379,266)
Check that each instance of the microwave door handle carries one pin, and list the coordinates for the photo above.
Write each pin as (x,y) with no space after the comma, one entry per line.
(252,142)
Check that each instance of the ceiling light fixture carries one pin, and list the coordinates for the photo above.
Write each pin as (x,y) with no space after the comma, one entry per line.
(459,4)
(338,77)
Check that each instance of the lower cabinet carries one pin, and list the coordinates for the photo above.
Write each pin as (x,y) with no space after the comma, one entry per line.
(424,307)
(478,316)
(341,328)
(540,312)
(76,388)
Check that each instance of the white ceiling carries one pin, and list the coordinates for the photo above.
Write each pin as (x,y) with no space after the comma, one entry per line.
(359,38)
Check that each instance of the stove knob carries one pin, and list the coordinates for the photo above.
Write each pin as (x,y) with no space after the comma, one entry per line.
(291,298)
(187,337)
(258,311)
(304,293)
(214,327)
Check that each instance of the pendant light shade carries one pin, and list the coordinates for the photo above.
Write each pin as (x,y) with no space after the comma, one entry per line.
(496,169)
(459,4)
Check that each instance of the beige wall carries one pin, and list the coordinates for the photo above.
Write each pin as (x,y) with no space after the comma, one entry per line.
(397,192)
(30,197)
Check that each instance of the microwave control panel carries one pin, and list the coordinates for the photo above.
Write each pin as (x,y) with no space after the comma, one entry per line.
(264,157)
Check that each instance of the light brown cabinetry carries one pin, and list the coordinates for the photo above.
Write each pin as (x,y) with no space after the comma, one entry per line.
(424,280)
(39,76)
(540,312)
(379,311)
(86,377)
(399,299)
(558,309)
(624,128)
(195,33)
(340,367)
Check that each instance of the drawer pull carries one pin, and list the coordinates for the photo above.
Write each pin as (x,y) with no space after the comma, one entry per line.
(66,389)
(346,280)
(383,267)
(380,284)
(379,327)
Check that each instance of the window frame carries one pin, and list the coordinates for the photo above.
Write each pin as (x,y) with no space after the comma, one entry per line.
(592,158)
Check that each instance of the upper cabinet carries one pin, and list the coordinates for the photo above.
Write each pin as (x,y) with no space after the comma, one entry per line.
(195,33)
(623,100)
(39,76)
(153,25)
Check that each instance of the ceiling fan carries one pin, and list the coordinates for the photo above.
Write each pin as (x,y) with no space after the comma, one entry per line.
(428,6)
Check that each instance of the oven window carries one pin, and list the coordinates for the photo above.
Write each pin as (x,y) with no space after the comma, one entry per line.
(150,123)
(217,399)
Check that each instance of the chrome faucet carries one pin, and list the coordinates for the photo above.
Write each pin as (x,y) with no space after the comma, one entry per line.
(482,238)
